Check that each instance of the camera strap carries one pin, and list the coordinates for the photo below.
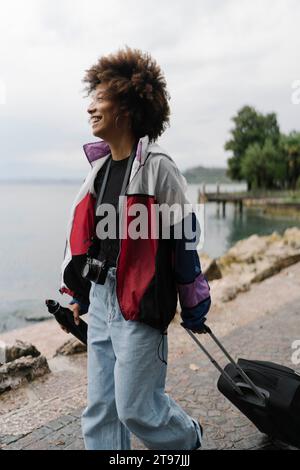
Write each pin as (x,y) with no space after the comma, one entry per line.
(125,180)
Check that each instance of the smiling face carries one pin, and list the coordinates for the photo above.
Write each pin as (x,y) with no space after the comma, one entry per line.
(103,113)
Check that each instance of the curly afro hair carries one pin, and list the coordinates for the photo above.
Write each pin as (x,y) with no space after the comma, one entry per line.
(136,81)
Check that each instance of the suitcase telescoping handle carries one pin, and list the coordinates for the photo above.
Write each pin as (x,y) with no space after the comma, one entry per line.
(255,389)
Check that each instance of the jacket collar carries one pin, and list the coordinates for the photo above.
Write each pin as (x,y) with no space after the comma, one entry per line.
(99,149)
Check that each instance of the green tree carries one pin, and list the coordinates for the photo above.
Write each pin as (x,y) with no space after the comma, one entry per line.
(264,166)
(291,149)
(251,127)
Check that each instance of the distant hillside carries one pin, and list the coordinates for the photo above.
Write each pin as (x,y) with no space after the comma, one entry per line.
(201,174)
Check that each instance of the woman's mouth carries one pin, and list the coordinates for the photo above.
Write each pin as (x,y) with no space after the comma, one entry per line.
(95,119)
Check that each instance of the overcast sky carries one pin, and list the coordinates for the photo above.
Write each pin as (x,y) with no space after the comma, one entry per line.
(217,55)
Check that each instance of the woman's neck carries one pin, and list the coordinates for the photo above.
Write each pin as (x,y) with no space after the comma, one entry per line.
(122,147)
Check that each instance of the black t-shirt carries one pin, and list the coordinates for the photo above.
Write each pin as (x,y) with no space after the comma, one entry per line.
(108,248)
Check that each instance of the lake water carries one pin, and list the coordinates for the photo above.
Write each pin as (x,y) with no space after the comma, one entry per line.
(33,223)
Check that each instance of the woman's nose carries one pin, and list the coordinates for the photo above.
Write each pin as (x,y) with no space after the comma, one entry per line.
(91,107)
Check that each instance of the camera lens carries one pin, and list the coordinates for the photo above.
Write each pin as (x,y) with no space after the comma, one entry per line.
(86,270)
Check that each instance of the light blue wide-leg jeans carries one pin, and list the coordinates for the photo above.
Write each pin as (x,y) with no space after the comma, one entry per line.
(126,382)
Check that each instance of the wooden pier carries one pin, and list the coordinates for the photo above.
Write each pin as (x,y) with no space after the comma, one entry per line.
(222,199)
(241,199)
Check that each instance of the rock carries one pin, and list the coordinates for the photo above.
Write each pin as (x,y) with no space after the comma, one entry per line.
(257,258)
(2,353)
(229,293)
(244,251)
(37,318)
(275,266)
(292,237)
(210,267)
(228,288)
(72,346)
(22,370)
(20,349)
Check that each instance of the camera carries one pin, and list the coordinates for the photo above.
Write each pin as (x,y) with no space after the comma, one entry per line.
(95,270)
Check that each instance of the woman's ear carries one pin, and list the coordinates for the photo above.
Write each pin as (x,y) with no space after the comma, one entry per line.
(127,116)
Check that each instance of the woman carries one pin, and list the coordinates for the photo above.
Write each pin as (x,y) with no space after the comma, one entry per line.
(131,283)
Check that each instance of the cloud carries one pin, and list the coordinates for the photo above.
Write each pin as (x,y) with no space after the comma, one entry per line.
(217,56)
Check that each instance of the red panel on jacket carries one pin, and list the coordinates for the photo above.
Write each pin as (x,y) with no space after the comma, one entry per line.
(136,262)
(83,225)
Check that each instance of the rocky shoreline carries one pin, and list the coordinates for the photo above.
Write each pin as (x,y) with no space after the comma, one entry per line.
(20,363)
(250,261)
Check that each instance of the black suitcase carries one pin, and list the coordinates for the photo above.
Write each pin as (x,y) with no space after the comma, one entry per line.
(267,393)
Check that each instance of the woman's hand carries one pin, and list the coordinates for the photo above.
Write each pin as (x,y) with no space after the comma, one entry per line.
(75,308)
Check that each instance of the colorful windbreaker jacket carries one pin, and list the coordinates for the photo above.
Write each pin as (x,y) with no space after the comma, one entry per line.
(152,272)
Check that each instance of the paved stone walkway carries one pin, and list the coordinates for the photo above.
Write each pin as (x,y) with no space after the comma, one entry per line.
(192,381)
